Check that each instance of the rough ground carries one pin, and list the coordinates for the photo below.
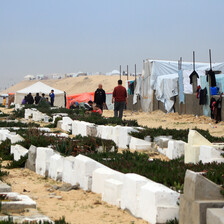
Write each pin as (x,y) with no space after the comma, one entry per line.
(78,206)
(173,121)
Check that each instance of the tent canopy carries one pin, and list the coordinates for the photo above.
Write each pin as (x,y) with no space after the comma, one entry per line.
(40,88)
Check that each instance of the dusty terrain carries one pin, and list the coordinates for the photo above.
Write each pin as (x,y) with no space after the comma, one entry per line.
(74,85)
(173,121)
(78,206)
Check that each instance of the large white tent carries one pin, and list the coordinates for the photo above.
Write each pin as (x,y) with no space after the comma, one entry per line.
(40,88)
(150,81)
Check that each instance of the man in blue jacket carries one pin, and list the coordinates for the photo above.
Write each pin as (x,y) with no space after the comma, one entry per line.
(52,97)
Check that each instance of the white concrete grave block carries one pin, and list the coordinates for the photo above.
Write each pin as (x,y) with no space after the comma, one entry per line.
(84,167)
(175,149)
(18,151)
(43,160)
(44,129)
(109,133)
(99,177)
(112,192)
(124,137)
(14,138)
(66,124)
(28,114)
(68,172)
(158,203)
(139,144)
(215,216)
(56,167)
(3,134)
(75,128)
(131,193)
(209,154)
(192,149)
(99,129)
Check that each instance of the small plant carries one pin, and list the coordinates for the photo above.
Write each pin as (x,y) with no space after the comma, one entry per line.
(173,221)
(17,164)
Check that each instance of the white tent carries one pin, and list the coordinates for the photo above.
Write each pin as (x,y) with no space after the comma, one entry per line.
(152,69)
(40,88)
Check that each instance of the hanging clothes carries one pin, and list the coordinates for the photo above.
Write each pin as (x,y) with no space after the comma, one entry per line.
(191,76)
(212,103)
(198,91)
(203,96)
(218,108)
(212,75)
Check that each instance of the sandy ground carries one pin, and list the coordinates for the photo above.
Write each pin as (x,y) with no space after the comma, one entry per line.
(75,85)
(173,121)
(78,206)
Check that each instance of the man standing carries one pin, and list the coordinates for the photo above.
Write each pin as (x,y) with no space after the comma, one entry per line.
(100,97)
(52,97)
(120,98)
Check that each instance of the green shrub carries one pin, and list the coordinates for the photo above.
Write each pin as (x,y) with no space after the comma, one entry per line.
(5,150)
(17,164)
(173,221)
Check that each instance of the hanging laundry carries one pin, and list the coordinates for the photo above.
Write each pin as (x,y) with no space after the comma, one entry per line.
(218,108)
(212,75)
(203,96)
(191,76)
(212,104)
(198,91)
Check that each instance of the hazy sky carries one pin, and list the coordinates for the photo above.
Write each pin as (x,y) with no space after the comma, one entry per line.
(50,36)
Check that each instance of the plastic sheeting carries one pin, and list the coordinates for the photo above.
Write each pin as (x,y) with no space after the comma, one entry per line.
(166,88)
(181,87)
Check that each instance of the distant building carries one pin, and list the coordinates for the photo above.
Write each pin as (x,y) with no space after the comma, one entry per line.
(40,77)
(29,77)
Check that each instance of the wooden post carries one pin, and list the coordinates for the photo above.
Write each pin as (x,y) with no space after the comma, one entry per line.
(120,72)
(127,72)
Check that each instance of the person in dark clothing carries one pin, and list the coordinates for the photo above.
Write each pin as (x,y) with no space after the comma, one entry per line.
(211,107)
(218,108)
(100,97)
(89,106)
(51,94)
(120,99)
(37,98)
(65,99)
(29,99)
(203,96)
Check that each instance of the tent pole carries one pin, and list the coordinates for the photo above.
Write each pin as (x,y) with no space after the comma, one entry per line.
(120,72)
(127,72)
(193,60)
(210,58)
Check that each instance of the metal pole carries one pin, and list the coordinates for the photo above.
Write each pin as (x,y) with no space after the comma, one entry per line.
(120,72)
(210,58)
(135,72)
(193,60)
(127,72)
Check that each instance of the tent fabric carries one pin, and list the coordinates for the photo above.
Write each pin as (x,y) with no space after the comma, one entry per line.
(40,88)
(152,69)
(181,86)
(85,97)
(166,88)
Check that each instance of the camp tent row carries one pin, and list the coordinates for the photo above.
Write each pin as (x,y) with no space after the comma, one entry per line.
(40,88)
(162,77)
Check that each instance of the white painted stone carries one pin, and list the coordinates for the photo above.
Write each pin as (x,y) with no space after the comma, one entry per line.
(43,160)
(124,137)
(99,129)
(45,129)
(192,149)
(66,124)
(68,172)
(131,193)
(139,144)
(18,151)
(112,192)
(109,132)
(14,138)
(99,177)
(175,149)
(46,118)
(84,167)
(215,216)
(75,129)
(209,154)
(162,150)
(28,114)
(158,203)
(3,133)
(56,167)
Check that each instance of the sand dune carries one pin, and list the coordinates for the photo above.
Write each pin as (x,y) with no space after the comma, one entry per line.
(74,85)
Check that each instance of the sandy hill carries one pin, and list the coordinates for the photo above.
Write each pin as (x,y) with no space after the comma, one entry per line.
(74,85)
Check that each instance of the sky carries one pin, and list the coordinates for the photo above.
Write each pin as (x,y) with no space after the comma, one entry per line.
(64,36)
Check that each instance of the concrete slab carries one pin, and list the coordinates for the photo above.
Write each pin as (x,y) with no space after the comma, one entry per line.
(175,149)
(31,161)
(68,172)
(56,167)
(215,215)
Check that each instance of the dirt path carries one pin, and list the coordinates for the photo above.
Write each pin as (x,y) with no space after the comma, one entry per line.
(173,121)
(78,206)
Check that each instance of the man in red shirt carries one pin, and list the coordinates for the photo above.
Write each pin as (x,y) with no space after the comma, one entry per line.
(120,98)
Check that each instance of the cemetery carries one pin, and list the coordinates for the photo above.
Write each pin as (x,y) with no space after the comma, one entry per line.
(115,160)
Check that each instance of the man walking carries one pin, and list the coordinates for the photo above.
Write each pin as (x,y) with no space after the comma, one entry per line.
(120,99)
(52,97)
(100,97)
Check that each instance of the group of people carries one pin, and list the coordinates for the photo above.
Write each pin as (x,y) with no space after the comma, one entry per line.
(119,99)
(29,99)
